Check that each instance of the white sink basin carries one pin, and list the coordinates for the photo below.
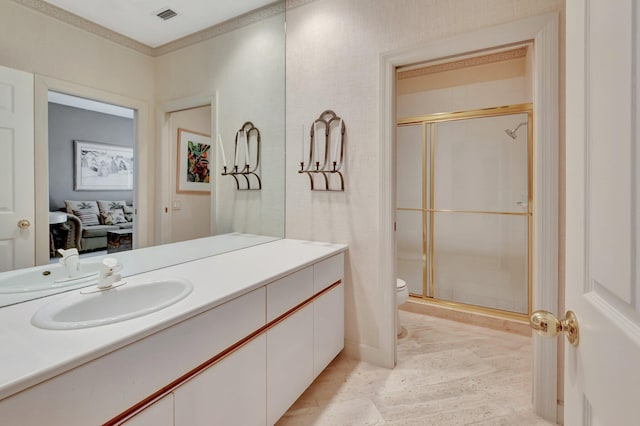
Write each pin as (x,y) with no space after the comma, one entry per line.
(52,277)
(91,307)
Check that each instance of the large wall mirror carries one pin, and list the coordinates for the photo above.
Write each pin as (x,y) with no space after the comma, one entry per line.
(210,99)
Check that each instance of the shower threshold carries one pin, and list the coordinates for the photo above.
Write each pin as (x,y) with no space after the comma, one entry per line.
(470,314)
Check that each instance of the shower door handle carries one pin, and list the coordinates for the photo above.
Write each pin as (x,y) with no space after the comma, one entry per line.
(547,325)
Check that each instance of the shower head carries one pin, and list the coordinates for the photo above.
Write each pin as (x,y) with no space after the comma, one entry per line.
(512,132)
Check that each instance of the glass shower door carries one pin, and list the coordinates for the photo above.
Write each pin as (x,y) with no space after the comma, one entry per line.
(463,218)
(481,215)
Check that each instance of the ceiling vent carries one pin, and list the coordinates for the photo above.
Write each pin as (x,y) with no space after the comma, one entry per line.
(166,14)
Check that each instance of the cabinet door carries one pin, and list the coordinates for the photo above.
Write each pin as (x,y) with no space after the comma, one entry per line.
(289,362)
(231,392)
(159,413)
(328,328)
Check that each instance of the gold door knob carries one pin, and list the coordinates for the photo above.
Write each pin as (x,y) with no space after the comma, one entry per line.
(546,324)
(24,224)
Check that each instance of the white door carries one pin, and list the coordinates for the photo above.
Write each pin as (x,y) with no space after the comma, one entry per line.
(17,244)
(602,373)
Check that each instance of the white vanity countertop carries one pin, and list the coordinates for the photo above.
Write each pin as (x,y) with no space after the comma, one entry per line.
(30,355)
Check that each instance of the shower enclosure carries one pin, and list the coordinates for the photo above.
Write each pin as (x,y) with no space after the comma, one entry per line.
(464,208)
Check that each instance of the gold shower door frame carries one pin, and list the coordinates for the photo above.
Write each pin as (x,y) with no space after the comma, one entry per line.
(428,155)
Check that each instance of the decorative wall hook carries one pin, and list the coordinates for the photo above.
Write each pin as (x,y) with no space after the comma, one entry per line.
(246,137)
(325,155)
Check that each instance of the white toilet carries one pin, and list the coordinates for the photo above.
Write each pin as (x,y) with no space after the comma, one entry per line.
(402,295)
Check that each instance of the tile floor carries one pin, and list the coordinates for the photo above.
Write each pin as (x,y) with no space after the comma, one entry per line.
(448,373)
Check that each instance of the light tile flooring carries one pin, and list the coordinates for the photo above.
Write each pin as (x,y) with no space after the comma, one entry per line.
(448,373)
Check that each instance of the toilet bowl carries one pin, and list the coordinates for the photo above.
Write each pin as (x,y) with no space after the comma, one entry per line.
(402,295)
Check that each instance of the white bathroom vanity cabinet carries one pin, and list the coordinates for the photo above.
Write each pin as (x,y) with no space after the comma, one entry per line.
(227,354)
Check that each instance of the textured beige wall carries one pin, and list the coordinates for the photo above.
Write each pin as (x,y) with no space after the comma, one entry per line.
(486,94)
(459,77)
(193,219)
(333,56)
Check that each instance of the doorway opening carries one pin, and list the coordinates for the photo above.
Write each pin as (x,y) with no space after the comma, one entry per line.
(542,32)
(190,216)
(186,214)
(91,147)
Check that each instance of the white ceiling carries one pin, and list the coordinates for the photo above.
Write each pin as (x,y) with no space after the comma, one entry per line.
(137,19)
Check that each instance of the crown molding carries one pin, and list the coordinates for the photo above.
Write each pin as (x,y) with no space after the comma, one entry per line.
(213,31)
(221,28)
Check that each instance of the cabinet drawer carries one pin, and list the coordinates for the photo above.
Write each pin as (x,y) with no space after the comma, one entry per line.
(328,272)
(288,292)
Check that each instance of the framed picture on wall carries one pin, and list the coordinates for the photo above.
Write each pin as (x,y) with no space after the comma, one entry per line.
(102,167)
(194,150)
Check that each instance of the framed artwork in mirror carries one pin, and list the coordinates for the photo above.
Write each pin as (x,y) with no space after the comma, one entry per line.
(194,151)
(102,167)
